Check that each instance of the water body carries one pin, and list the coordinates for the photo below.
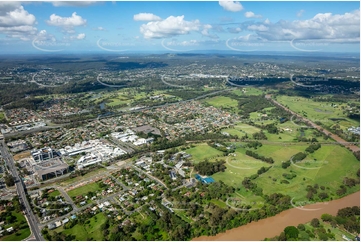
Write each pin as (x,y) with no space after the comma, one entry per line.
(272,226)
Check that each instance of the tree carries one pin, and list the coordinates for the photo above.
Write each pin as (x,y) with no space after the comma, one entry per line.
(326,217)
(323,195)
(282,237)
(323,236)
(315,222)
(309,195)
(291,232)
(301,227)
(304,236)
(9,180)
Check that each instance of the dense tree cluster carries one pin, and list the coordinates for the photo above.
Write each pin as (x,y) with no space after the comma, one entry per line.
(312,148)
(163,143)
(259,136)
(209,168)
(259,157)
(9,180)
(299,156)
(252,104)
(254,144)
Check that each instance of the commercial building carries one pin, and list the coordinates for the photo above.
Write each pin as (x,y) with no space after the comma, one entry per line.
(43,154)
(50,168)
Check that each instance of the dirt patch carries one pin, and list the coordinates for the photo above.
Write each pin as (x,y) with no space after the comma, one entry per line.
(22,155)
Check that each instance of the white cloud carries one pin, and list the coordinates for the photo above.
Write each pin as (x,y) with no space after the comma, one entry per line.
(267,21)
(300,13)
(258,27)
(17,17)
(68,22)
(16,22)
(169,27)
(146,17)
(72,3)
(323,26)
(249,38)
(234,30)
(175,42)
(99,29)
(206,27)
(252,15)
(80,36)
(231,6)
(8,6)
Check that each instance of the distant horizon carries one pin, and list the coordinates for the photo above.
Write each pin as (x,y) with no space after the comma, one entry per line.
(355,55)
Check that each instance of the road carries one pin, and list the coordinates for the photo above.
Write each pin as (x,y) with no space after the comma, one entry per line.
(150,176)
(343,142)
(67,198)
(20,188)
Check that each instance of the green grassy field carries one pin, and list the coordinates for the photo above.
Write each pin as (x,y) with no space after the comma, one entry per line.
(203,151)
(239,167)
(318,111)
(221,101)
(91,187)
(233,131)
(182,215)
(247,128)
(248,91)
(241,129)
(18,236)
(84,232)
(117,101)
(54,193)
(331,165)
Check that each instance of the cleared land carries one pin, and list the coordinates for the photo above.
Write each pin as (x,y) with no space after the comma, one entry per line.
(241,130)
(248,91)
(79,178)
(223,102)
(83,190)
(203,151)
(21,155)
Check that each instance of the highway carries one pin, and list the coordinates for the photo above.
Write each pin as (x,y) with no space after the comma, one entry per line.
(20,189)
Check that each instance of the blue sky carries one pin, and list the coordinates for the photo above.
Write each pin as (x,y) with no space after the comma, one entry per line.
(122,27)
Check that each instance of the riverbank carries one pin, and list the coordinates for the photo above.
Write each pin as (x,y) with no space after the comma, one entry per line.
(272,226)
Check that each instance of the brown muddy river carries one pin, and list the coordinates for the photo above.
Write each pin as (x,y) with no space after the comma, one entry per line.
(272,226)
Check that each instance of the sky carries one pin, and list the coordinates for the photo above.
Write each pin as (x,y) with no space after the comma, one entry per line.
(172,26)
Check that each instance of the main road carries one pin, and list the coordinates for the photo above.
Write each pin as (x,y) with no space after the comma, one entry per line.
(20,189)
